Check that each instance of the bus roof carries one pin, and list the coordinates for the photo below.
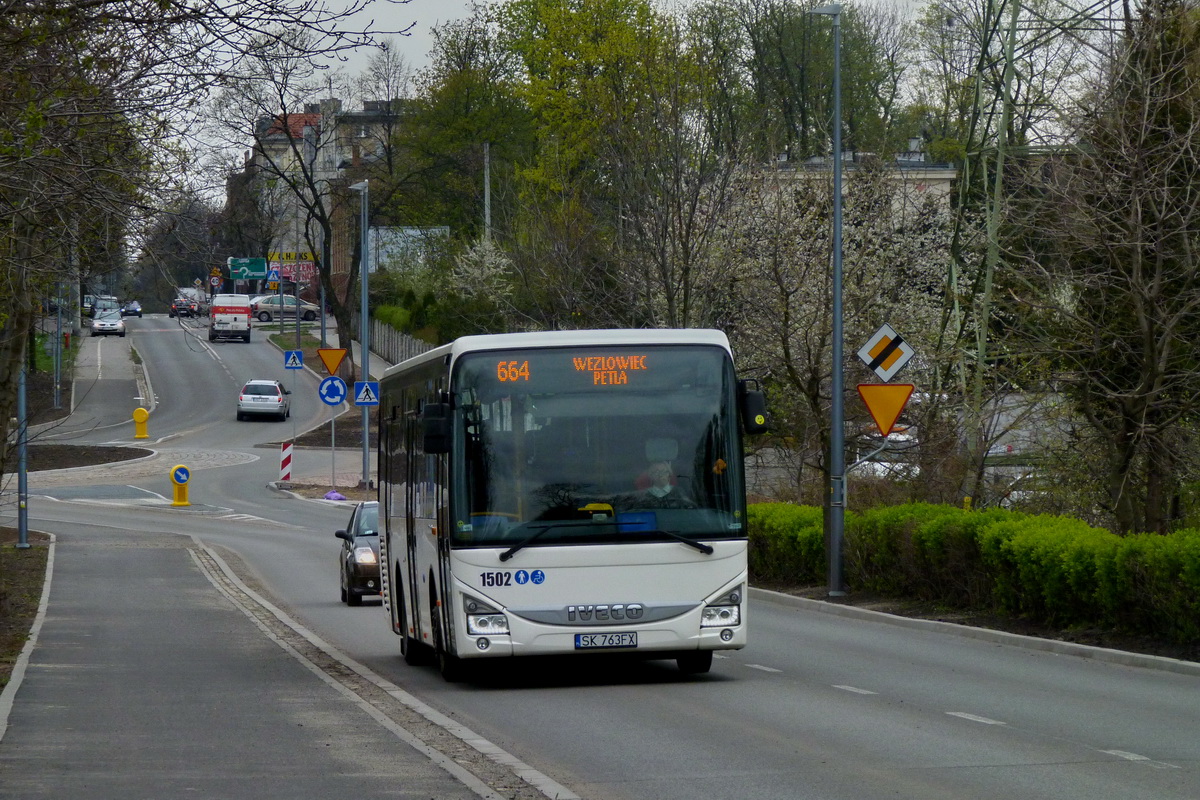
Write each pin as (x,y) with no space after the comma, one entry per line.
(584,338)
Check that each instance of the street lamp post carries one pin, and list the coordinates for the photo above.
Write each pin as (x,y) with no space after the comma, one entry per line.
(837,434)
(364,331)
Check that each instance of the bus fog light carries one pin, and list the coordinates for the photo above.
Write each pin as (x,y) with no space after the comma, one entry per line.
(483,644)
(726,635)
(488,624)
(719,616)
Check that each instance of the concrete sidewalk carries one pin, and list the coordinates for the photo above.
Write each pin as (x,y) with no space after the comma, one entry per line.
(149,678)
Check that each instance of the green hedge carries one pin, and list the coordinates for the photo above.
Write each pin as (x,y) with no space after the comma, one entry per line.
(1051,569)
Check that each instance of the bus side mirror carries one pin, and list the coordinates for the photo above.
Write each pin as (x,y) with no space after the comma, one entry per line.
(435,425)
(752,404)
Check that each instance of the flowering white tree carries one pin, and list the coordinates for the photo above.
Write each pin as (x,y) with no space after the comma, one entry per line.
(895,253)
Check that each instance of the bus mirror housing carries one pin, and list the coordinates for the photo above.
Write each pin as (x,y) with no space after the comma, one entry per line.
(435,424)
(752,404)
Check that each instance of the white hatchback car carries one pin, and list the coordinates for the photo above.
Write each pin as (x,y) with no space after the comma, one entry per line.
(264,398)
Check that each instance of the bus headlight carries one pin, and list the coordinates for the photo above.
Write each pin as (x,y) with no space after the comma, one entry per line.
(720,616)
(487,624)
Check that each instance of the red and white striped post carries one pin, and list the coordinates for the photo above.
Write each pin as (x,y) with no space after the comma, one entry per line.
(285,461)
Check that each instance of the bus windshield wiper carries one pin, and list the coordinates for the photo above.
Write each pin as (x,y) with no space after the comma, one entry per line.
(701,546)
(510,552)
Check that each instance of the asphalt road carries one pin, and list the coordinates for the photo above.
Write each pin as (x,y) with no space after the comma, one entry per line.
(817,706)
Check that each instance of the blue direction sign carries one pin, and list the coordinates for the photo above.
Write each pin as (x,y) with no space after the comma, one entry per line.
(332,391)
(366,393)
(293,359)
(181,475)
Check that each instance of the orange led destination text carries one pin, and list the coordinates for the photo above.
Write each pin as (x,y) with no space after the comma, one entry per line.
(609,370)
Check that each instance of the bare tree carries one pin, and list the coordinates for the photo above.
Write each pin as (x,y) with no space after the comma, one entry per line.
(98,99)
(1109,249)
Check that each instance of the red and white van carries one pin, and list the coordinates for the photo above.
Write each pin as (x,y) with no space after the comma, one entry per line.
(229,317)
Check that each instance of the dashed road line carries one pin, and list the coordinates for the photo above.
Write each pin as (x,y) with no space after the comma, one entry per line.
(1149,762)
(764,669)
(853,689)
(975,718)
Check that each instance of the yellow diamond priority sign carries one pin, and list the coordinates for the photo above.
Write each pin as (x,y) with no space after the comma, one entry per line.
(886,353)
(332,357)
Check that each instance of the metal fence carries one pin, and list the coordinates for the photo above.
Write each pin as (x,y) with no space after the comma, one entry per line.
(392,345)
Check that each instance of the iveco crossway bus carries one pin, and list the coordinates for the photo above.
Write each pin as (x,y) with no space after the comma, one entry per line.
(568,492)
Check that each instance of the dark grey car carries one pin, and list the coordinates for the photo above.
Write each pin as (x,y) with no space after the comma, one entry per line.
(358,561)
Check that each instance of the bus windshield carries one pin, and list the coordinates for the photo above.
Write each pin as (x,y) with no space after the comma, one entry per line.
(607,444)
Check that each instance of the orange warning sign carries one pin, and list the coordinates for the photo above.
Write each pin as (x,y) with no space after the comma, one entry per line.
(332,357)
(885,401)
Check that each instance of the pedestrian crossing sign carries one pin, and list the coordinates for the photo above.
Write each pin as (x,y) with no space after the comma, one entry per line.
(293,359)
(366,393)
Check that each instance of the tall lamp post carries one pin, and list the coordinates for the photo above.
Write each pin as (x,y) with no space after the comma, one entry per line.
(364,331)
(837,434)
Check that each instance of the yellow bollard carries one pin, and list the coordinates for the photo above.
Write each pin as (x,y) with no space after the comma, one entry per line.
(180,476)
(140,415)
(967,503)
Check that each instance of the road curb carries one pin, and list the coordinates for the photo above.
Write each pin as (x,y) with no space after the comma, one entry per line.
(1102,654)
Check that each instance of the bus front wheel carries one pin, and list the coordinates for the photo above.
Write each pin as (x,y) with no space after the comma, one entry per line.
(450,665)
(411,650)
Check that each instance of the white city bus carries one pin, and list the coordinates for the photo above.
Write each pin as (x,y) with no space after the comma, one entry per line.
(566,492)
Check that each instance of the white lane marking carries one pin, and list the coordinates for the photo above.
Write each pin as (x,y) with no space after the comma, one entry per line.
(854,689)
(974,718)
(147,491)
(764,669)
(1140,759)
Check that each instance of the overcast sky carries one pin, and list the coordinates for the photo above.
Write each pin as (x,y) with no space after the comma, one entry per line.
(426,14)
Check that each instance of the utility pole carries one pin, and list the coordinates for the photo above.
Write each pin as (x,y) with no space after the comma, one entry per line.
(837,433)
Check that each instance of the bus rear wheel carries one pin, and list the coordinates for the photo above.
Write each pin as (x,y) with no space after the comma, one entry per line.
(695,663)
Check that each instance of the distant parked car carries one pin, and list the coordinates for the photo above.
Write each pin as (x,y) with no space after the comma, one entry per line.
(358,564)
(107,323)
(182,307)
(268,307)
(264,398)
(132,309)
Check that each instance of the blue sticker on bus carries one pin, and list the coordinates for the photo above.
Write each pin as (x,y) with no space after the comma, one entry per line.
(537,576)
(522,577)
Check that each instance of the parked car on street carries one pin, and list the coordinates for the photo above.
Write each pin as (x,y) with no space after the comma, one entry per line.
(132,309)
(268,307)
(183,307)
(358,563)
(260,398)
(107,323)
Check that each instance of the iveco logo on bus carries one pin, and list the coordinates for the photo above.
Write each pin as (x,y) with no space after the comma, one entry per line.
(599,613)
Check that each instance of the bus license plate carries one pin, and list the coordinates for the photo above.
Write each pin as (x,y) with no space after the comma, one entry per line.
(587,641)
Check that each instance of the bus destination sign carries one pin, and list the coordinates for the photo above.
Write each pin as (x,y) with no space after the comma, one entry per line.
(609,370)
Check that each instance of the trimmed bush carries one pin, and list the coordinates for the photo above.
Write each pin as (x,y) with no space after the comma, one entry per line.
(787,544)
(1051,569)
